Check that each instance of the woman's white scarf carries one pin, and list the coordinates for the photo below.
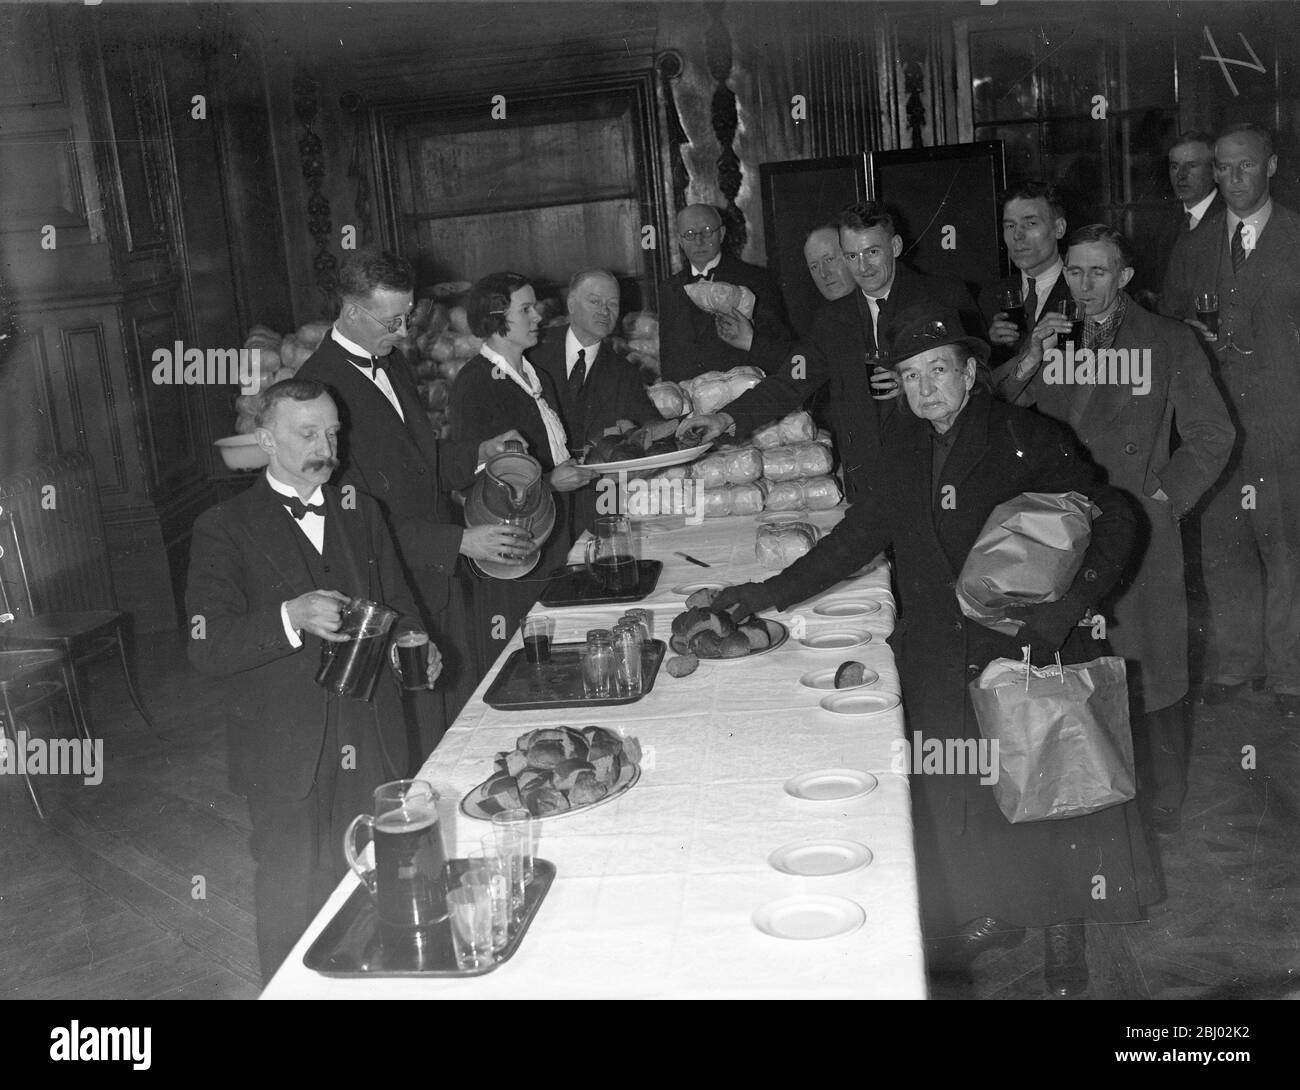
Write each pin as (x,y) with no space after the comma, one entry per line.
(532,386)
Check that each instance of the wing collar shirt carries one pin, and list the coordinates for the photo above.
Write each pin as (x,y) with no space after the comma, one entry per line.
(707,271)
(374,375)
(311,524)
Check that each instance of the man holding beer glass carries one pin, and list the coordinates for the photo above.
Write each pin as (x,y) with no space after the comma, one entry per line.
(273,572)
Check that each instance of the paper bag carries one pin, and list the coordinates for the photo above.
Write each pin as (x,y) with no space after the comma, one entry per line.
(1063,743)
(1028,552)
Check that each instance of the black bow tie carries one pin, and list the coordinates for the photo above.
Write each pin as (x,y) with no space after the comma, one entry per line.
(298,509)
(374,365)
(697,277)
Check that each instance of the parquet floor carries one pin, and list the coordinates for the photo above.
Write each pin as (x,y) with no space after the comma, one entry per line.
(102,899)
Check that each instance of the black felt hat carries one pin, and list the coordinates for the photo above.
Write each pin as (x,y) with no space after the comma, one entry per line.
(923,327)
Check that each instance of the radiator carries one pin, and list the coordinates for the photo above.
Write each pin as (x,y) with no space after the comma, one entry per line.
(64,547)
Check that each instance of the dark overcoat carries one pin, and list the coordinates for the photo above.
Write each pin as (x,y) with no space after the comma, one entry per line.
(1128,435)
(971,860)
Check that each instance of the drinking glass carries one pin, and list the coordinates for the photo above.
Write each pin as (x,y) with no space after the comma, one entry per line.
(1073,313)
(1207,311)
(598,664)
(538,634)
(470,907)
(1010,302)
(516,832)
(498,869)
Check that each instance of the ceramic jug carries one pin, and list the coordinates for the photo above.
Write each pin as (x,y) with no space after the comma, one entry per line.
(512,490)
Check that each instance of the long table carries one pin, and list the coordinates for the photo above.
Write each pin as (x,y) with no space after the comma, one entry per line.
(656,889)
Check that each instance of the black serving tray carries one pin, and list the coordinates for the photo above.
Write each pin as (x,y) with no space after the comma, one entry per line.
(535,686)
(356,944)
(577,587)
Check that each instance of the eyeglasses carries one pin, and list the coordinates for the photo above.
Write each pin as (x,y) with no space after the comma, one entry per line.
(392,324)
(705,233)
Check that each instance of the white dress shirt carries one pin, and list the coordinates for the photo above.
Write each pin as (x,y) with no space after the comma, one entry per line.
(874,304)
(571,347)
(377,377)
(1043,284)
(1197,211)
(1254,226)
(313,526)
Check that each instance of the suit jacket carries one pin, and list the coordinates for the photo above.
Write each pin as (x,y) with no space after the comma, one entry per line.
(400,464)
(1169,229)
(1259,337)
(612,391)
(1128,435)
(970,859)
(688,339)
(481,406)
(247,557)
(832,356)
(989,306)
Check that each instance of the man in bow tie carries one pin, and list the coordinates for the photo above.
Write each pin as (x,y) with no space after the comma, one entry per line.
(269,573)
(689,343)
(391,452)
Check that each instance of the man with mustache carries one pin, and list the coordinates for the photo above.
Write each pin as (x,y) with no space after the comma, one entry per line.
(391,452)
(269,572)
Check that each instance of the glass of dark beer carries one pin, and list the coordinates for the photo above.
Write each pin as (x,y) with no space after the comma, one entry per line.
(411,660)
(409,878)
(610,558)
(1010,303)
(1207,311)
(538,632)
(352,667)
(1073,312)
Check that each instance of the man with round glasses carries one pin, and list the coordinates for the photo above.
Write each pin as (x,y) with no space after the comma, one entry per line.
(689,343)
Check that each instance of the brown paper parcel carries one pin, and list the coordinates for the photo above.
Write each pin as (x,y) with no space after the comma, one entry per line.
(1028,552)
(1063,743)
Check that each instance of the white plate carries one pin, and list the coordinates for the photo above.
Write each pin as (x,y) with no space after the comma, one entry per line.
(687,589)
(831,785)
(651,461)
(836,640)
(846,607)
(859,703)
(809,916)
(825,679)
(814,858)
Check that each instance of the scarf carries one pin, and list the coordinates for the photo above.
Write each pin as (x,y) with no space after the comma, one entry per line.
(1102,334)
(532,386)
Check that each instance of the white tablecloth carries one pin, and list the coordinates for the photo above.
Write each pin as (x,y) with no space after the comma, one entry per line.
(655,890)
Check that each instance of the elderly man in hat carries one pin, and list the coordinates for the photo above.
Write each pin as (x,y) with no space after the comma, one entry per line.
(949,458)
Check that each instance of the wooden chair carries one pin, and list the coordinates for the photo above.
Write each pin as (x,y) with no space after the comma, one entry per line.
(79,636)
(27,681)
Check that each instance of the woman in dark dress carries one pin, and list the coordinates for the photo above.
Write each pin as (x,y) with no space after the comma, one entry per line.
(495,391)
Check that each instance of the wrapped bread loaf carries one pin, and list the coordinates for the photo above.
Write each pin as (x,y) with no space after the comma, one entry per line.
(798,427)
(312,334)
(642,325)
(714,390)
(711,471)
(717,297)
(821,493)
(747,499)
(742,465)
(786,463)
(459,320)
(670,399)
(780,544)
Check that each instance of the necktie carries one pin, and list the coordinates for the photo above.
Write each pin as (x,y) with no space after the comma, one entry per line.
(578,375)
(299,509)
(878,312)
(1030,301)
(1238,249)
(1187,222)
